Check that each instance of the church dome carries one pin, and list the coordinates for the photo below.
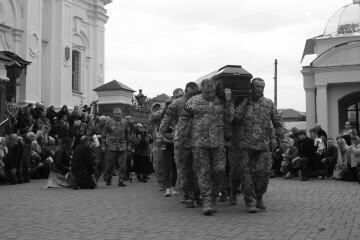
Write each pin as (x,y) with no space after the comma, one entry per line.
(345,21)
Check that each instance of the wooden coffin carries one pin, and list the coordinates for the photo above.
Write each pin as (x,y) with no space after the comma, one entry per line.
(233,77)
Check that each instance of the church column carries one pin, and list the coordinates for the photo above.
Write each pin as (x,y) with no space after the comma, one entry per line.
(309,86)
(30,50)
(322,107)
(310,108)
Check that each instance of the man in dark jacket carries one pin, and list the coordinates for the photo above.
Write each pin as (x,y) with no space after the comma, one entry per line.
(330,159)
(306,155)
(82,164)
(12,160)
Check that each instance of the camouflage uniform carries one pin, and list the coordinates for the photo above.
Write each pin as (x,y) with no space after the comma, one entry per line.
(250,158)
(156,154)
(183,154)
(203,122)
(115,136)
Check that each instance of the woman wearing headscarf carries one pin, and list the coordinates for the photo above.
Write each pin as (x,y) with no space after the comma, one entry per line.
(42,120)
(141,158)
(80,131)
(61,165)
(63,111)
(51,115)
(28,118)
(20,121)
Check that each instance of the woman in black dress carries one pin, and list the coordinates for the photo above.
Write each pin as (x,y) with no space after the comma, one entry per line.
(142,166)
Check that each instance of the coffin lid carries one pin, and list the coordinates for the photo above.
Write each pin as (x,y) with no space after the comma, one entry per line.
(226,70)
(233,70)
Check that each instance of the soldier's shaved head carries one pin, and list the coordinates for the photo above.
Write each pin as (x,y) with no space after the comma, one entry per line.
(208,89)
(191,89)
(257,88)
(208,82)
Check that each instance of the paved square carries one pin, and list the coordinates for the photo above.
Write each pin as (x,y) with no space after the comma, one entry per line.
(297,210)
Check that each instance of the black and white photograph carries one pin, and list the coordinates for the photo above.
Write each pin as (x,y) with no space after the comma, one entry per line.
(180,120)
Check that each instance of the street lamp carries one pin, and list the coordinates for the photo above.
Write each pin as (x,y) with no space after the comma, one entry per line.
(140,98)
(13,70)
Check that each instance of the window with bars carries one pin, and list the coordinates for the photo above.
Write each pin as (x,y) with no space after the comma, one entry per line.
(76,67)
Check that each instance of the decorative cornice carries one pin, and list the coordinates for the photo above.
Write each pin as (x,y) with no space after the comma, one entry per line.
(77,47)
(309,89)
(77,93)
(322,86)
(337,68)
(98,15)
(307,71)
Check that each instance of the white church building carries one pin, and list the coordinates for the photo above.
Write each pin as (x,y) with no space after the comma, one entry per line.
(331,72)
(64,42)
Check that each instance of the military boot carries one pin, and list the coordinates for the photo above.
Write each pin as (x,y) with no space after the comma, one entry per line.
(250,206)
(189,203)
(213,203)
(207,210)
(260,204)
(198,201)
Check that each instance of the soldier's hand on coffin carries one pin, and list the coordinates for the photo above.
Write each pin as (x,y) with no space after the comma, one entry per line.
(227,92)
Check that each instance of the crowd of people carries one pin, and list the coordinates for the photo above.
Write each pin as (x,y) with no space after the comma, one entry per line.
(209,146)
(317,155)
(72,149)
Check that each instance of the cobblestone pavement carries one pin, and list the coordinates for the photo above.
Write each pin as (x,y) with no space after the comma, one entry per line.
(297,210)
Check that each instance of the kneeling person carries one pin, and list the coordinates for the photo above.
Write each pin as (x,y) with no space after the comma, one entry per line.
(82,164)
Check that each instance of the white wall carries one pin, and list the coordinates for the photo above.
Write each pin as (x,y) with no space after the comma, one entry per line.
(30,50)
(39,31)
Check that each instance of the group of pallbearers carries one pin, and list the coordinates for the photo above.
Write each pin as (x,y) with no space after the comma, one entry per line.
(203,125)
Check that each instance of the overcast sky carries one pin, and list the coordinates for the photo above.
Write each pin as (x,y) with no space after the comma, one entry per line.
(160,45)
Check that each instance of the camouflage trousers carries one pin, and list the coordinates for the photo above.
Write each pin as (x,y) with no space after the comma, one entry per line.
(113,157)
(161,160)
(186,176)
(252,169)
(209,166)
